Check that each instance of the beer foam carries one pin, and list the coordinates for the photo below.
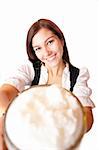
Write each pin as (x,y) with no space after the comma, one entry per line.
(44,119)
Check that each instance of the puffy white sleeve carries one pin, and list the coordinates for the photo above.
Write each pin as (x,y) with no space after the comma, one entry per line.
(21,77)
(81,89)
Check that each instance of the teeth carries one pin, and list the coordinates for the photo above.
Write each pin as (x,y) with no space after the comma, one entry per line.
(51,58)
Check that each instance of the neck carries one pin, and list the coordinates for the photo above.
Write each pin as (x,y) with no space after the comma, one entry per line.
(57,70)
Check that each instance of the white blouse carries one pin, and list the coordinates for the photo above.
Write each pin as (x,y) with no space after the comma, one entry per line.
(24,74)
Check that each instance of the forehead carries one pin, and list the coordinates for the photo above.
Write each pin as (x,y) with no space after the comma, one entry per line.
(42,35)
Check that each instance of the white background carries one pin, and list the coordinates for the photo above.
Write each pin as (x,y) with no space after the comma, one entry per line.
(79,21)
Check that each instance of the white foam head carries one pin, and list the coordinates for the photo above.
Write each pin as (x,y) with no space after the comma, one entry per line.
(44,118)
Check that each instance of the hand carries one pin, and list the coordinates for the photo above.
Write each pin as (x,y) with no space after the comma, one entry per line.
(2,143)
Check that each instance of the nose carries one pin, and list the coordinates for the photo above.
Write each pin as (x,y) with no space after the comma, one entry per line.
(46,51)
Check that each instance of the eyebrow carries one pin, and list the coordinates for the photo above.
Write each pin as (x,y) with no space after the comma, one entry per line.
(44,41)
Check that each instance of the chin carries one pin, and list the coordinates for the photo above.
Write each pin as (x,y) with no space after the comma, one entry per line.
(53,65)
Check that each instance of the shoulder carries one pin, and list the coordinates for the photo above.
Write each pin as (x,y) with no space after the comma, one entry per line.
(25,67)
(82,82)
(83,74)
(83,71)
(82,89)
(21,76)
(26,64)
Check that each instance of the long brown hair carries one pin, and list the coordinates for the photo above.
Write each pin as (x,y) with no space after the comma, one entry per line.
(44,23)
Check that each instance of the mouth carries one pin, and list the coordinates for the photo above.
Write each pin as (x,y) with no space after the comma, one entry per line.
(51,58)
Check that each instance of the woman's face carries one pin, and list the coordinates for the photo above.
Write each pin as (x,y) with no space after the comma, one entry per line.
(48,47)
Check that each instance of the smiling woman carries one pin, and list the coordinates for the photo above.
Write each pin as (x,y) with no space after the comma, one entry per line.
(48,47)
(48,63)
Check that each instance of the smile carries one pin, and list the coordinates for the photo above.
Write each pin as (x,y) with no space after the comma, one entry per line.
(51,58)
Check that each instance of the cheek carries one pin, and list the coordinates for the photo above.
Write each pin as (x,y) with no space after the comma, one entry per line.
(39,56)
(59,48)
(60,51)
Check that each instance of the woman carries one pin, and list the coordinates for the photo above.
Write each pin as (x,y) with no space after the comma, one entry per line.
(46,47)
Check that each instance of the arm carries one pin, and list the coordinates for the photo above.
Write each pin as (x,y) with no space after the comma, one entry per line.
(89,118)
(19,78)
(83,92)
(7,94)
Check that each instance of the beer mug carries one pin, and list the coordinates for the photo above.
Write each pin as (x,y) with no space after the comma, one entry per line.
(46,117)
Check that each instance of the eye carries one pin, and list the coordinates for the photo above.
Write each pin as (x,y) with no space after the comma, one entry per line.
(50,42)
(37,49)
